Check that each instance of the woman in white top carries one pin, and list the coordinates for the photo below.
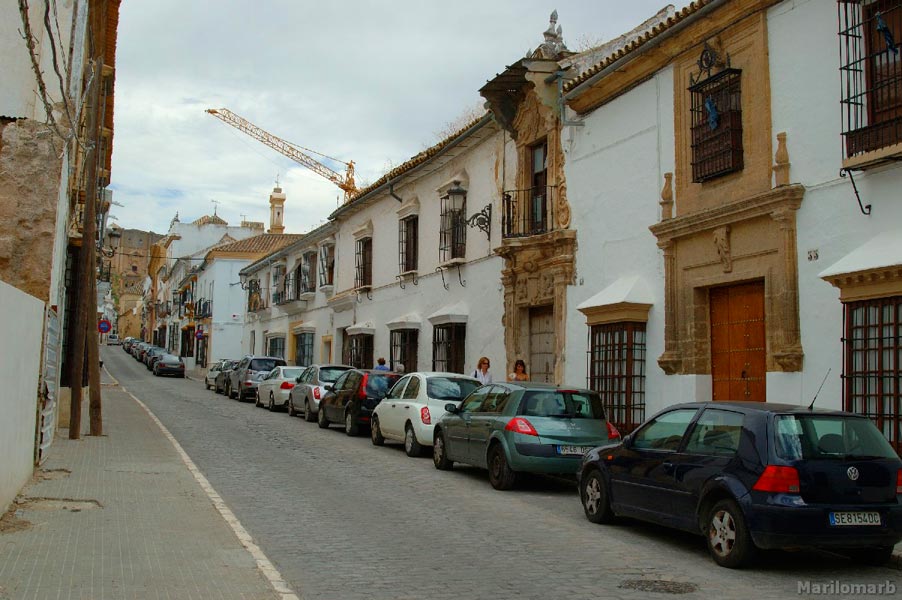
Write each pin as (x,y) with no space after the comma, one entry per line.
(482,371)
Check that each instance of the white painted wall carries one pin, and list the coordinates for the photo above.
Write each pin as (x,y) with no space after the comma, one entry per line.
(229,306)
(615,167)
(805,88)
(21,331)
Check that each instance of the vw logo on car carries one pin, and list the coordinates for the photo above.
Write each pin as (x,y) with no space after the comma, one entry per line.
(852,472)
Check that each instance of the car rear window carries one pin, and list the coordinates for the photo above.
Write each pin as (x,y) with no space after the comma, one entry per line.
(265,364)
(330,374)
(292,373)
(829,437)
(170,358)
(378,384)
(561,403)
(450,388)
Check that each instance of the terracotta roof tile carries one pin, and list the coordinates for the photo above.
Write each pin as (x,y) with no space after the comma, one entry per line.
(266,242)
(210,220)
(636,44)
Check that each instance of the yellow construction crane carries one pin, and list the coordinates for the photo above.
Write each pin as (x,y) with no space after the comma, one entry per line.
(292,151)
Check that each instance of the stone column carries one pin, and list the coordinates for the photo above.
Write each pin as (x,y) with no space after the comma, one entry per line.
(788,354)
(670,361)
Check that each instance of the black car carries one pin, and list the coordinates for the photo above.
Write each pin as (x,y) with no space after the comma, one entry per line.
(352,398)
(752,476)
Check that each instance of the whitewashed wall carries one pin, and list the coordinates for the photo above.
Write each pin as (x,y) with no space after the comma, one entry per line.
(21,331)
(615,167)
(229,307)
(805,91)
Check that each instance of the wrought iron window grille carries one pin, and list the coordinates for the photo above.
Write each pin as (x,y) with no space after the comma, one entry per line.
(528,212)
(404,349)
(448,347)
(363,275)
(408,242)
(616,370)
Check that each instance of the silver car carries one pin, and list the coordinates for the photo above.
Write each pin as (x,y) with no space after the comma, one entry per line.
(214,370)
(310,389)
(244,378)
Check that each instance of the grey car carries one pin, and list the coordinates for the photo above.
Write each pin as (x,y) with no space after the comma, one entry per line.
(213,372)
(310,389)
(220,384)
(243,380)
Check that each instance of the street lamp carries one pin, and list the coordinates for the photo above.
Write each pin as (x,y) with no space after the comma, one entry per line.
(115,237)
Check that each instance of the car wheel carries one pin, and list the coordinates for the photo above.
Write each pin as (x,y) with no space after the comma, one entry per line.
(228,390)
(351,426)
(291,411)
(207,386)
(501,476)
(876,556)
(729,541)
(308,415)
(593,491)
(257,402)
(321,419)
(376,433)
(411,446)
(439,455)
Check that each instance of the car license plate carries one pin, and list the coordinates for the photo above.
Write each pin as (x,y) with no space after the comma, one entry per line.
(573,450)
(854,518)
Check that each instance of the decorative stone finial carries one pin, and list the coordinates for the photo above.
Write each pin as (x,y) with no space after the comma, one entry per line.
(781,161)
(553,45)
(667,197)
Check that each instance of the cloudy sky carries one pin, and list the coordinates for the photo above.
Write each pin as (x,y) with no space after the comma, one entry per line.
(364,80)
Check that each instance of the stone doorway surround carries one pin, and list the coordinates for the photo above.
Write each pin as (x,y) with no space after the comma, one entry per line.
(753,238)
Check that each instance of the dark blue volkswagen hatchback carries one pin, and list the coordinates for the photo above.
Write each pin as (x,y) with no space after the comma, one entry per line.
(751,476)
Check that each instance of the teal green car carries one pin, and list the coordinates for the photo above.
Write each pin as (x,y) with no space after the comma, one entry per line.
(521,427)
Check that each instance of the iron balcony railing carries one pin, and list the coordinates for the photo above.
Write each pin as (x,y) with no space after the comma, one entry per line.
(528,212)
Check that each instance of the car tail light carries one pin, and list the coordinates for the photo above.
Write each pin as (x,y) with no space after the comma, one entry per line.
(316,392)
(426,418)
(781,480)
(613,434)
(286,385)
(521,425)
(899,483)
(362,391)
(248,383)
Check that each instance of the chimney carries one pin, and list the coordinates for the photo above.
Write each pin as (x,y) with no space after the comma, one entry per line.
(276,210)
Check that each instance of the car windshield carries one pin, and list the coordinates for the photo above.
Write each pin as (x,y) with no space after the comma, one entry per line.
(378,384)
(292,373)
(265,364)
(570,404)
(330,374)
(829,437)
(450,388)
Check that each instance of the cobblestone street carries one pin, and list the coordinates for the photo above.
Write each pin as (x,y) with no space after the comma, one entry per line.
(340,518)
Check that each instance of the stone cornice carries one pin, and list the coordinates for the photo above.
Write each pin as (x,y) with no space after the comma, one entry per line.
(868,284)
(772,201)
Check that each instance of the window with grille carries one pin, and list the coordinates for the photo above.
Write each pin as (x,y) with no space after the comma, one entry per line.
(404,348)
(872,348)
(617,371)
(448,347)
(326,264)
(276,347)
(870,50)
(537,210)
(307,273)
(278,285)
(364,273)
(408,240)
(453,229)
(303,349)
(359,353)
(716,121)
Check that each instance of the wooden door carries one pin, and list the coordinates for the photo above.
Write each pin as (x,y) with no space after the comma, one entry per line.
(540,364)
(738,366)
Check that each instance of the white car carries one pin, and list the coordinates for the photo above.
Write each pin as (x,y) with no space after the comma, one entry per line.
(113,340)
(274,387)
(412,407)
(214,370)
(311,387)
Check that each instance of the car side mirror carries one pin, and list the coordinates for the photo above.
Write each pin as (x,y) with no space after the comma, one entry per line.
(452,408)
(328,387)
(627,440)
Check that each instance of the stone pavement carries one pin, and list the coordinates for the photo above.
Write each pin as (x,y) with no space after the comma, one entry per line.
(122,516)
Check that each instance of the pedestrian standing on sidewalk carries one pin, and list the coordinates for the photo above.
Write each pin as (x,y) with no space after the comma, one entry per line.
(381,366)
(519,373)
(482,371)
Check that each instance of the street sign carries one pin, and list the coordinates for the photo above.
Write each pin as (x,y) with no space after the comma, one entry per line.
(199,334)
(104,326)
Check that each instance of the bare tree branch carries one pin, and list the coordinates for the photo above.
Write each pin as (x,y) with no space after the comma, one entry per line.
(29,38)
(56,67)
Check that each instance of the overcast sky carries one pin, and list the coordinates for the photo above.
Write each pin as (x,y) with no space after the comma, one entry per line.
(369,81)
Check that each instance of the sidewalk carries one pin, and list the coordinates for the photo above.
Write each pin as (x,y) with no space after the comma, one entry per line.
(121,516)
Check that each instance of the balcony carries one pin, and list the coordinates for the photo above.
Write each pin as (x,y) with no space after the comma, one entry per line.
(258,299)
(528,212)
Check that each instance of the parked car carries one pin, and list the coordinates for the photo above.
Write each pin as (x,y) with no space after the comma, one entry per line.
(212,373)
(353,396)
(220,384)
(275,386)
(751,476)
(169,364)
(412,407)
(113,340)
(311,388)
(244,377)
(127,343)
(152,355)
(140,350)
(515,427)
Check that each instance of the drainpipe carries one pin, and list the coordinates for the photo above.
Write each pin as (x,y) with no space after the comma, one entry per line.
(391,191)
(559,77)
